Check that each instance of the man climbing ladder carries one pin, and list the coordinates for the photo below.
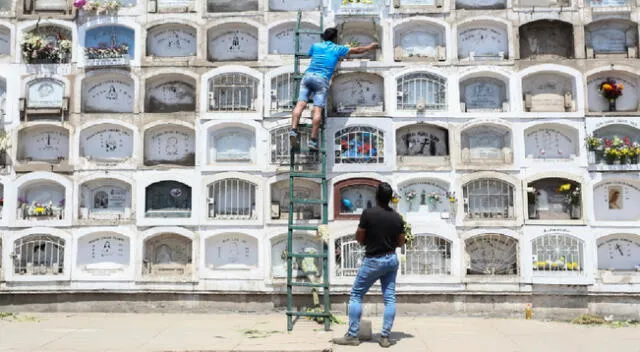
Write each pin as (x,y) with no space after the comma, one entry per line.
(315,82)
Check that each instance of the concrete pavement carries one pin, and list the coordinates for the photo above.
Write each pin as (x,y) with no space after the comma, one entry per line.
(85,332)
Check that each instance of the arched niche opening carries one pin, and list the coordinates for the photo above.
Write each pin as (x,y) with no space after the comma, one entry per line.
(549,92)
(619,253)
(491,254)
(105,199)
(349,255)
(233,92)
(169,144)
(488,199)
(38,255)
(544,3)
(167,256)
(232,199)
(358,33)
(175,6)
(106,143)
(46,44)
(231,251)
(421,91)
(103,254)
(168,199)
(352,196)
(302,243)
(44,143)
(359,145)
(232,5)
(282,38)
(421,197)
(429,255)
(232,144)
(108,93)
(170,93)
(546,38)
(419,40)
(551,141)
(483,40)
(172,40)
(5,41)
(45,7)
(613,200)
(480,4)
(45,99)
(557,253)
(280,146)
(41,200)
(353,93)
(484,93)
(628,101)
(294,5)
(487,143)
(233,42)
(421,143)
(554,198)
(109,45)
(302,189)
(611,37)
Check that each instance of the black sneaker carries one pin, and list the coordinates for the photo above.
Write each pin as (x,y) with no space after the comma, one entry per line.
(347,340)
(385,342)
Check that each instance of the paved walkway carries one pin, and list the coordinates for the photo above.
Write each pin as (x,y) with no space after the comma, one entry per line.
(86,332)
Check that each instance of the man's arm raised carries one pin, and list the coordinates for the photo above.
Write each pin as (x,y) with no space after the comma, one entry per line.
(363,49)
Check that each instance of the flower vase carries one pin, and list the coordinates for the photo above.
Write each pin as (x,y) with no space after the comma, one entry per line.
(612,105)
(599,154)
(611,160)
(592,157)
(575,211)
(633,159)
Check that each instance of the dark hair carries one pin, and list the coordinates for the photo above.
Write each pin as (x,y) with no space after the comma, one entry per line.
(384,193)
(330,34)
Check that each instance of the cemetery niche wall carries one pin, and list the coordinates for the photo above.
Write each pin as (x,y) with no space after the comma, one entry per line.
(611,38)
(168,144)
(551,141)
(419,40)
(357,93)
(546,38)
(483,40)
(549,92)
(105,199)
(172,40)
(167,257)
(170,93)
(421,144)
(486,143)
(106,143)
(232,42)
(484,93)
(103,254)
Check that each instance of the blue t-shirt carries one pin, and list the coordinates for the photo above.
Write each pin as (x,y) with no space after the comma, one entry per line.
(324,58)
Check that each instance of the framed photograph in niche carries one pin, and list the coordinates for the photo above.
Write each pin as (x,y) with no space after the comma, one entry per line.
(275,210)
(615,197)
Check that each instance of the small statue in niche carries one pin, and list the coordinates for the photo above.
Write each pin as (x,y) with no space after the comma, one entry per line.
(423,197)
(359,201)
(369,205)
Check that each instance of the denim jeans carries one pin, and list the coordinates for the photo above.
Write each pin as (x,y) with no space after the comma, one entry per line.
(384,268)
(316,85)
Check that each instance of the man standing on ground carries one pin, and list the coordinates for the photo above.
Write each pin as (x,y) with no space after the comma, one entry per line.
(315,81)
(381,230)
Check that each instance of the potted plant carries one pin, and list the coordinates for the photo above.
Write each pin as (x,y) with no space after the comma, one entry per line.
(611,90)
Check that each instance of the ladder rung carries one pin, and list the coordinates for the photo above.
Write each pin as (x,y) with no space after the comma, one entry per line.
(309,151)
(304,227)
(307,255)
(306,175)
(298,76)
(301,54)
(310,31)
(310,314)
(309,284)
(308,201)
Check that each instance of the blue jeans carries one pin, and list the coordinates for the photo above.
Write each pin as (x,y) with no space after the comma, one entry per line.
(384,268)
(314,84)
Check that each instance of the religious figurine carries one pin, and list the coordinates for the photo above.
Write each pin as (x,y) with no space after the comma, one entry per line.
(423,197)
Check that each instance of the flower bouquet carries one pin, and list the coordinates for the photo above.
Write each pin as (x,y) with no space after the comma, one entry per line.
(5,141)
(104,52)
(98,7)
(571,193)
(612,155)
(434,197)
(36,49)
(451,196)
(410,194)
(611,90)
(409,237)
(594,143)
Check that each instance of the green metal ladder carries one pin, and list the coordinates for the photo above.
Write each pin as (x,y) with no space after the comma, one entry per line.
(323,202)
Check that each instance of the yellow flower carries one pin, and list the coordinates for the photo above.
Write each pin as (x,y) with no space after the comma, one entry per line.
(620,86)
(607,86)
(564,188)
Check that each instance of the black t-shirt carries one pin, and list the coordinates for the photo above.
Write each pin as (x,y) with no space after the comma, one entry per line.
(383,226)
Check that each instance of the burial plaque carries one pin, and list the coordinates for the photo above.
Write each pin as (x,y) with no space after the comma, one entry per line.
(487,42)
(549,143)
(422,140)
(233,144)
(294,5)
(234,45)
(110,36)
(357,93)
(108,95)
(483,94)
(45,93)
(104,253)
(232,251)
(480,4)
(172,40)
(171,96)
(106,143)
(281,41)
(301,244)
(614,201)
(546,38)
(44,145)
(420,42)
(169,145)
(610,39)
(232,5)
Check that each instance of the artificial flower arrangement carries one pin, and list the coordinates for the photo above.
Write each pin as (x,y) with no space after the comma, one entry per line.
(410,194)
(434,197)
(571,193)
(409,237)
(622,149)
(451,196)
(99,7)
(610,89)
(105,52)
(594,143)
(555,265)
(34,48)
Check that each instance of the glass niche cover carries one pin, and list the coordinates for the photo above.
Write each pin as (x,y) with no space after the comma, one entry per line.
(355,199)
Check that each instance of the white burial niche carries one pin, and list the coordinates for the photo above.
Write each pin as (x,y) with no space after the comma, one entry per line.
(231,251)
(169,144)
(548,38)
(618,258)
(628,101)
(110,45)
(419,40)
(303,189)
(170,93)
(105,199)
(232,5)
(39,255)
(423,197)
(103,254)
(613,200)
(172,40)
(167,257)
(487,143)
(554,198)
(41,200)
(357,93)
(231,144)
(302,268)
(45,99)
(166,6)
(294,5)
(480,4)
(422,144)
(549,92)
(359,33)
(551,141)
(168,199)
(282,38)
(611,38)
(490,255)
(106,143)
(5,41)
(483,40)
(233,42)
(108,93)
(484,94)
(43,143)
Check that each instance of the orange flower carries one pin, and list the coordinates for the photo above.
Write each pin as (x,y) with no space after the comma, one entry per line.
(607,86)
(620,86)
